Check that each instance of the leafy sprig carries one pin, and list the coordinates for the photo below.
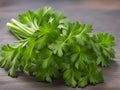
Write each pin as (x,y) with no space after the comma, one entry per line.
(50,44)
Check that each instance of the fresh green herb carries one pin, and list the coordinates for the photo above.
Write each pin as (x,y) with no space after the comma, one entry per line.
(50,45)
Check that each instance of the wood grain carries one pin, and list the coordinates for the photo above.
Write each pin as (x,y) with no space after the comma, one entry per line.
(104,15)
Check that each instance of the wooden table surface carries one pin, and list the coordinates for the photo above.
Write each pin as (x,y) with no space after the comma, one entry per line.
(104,15)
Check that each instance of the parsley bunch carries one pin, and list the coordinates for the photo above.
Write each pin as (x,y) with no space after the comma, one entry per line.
(51,46)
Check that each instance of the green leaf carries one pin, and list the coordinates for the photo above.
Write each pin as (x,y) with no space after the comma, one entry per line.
(83,81)
(105,39)
(102,45)
(70,78)
(74,57)
(57,47)
(83,35)
(7,54)
(95,74)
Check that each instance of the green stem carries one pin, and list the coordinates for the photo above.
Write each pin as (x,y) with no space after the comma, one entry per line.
(22,26)
(18,31)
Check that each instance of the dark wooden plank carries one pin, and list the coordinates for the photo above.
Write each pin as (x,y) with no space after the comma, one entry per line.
(103,14)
